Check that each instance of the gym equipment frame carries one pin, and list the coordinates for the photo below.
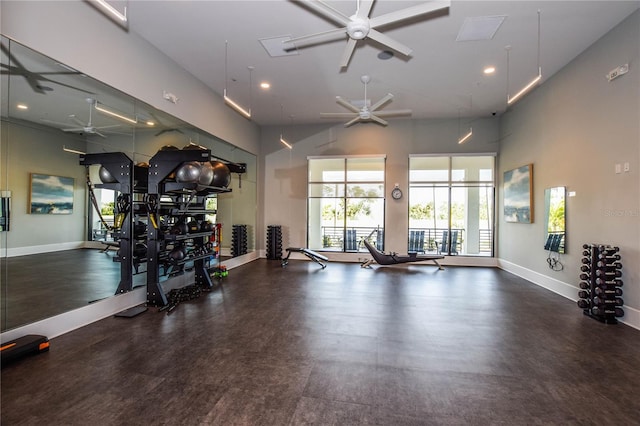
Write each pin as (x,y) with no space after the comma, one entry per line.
(316,257)
(395,259)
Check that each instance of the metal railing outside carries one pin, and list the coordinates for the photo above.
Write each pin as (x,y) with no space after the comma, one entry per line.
(335,238)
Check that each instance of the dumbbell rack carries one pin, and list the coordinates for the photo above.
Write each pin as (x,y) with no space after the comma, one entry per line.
(238,240)
(274,242)
(600,283)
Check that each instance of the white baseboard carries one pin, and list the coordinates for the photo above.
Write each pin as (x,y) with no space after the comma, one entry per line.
(234,262)
(45,248)
(69,321)
(570,291)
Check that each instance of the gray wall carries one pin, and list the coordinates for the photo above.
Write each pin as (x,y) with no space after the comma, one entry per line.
(33,149)
(574,129)
(285,178)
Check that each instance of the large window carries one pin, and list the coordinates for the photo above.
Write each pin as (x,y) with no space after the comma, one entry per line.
(346,202)
(451,205)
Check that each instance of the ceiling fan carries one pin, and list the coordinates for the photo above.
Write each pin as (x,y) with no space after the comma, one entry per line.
(36,80)
(366,113)
(359,26)
(84,128)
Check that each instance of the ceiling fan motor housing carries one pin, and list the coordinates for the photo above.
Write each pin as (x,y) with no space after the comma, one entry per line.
(358,28)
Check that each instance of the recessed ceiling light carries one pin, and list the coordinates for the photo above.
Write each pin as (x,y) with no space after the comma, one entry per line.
(265,85)
(150,123)
(489,70)
(22,106)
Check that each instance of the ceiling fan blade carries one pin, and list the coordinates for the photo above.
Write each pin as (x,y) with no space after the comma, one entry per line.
(389,42)
(95,132)
(379,120)
(67,85)
(347,105)
(327,11)
(394,113)
(338,114)
(167,131)
(107,127)
(33,78)
(19,69)
(409,12)
(381,102)
(364,8)
(73,130)
(75,119)
(59,73)
(352,122)
(315,38)
(348,51)
(54,122)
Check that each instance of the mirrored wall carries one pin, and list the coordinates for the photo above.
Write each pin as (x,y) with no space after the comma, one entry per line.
(54,246)
(555,219)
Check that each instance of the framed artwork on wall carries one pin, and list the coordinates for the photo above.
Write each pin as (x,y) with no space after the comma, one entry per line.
(518,195)
(51,194)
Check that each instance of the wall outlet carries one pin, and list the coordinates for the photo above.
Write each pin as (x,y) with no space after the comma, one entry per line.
(626,167)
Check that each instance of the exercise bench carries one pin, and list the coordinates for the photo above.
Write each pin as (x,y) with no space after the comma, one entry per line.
(316,257)
(394,259)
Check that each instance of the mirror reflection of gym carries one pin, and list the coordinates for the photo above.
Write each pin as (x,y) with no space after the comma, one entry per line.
(46,268)
(555,219)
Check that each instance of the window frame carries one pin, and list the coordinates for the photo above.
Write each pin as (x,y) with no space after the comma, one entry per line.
(345,198)
(450,184)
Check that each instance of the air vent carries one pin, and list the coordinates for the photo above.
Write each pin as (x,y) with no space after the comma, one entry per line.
(275,46)
(480,28)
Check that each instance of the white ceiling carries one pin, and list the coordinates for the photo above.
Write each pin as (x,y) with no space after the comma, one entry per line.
(442,77)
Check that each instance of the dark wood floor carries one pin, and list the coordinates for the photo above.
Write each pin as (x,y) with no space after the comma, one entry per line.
(39,286)
(42,285)
(340,346)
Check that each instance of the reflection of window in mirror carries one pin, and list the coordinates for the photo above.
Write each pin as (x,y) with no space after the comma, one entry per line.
(212,206)
(103,222)
(555,218)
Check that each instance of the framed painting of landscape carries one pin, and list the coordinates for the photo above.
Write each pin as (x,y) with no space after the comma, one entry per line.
(518,195)
(51,194)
